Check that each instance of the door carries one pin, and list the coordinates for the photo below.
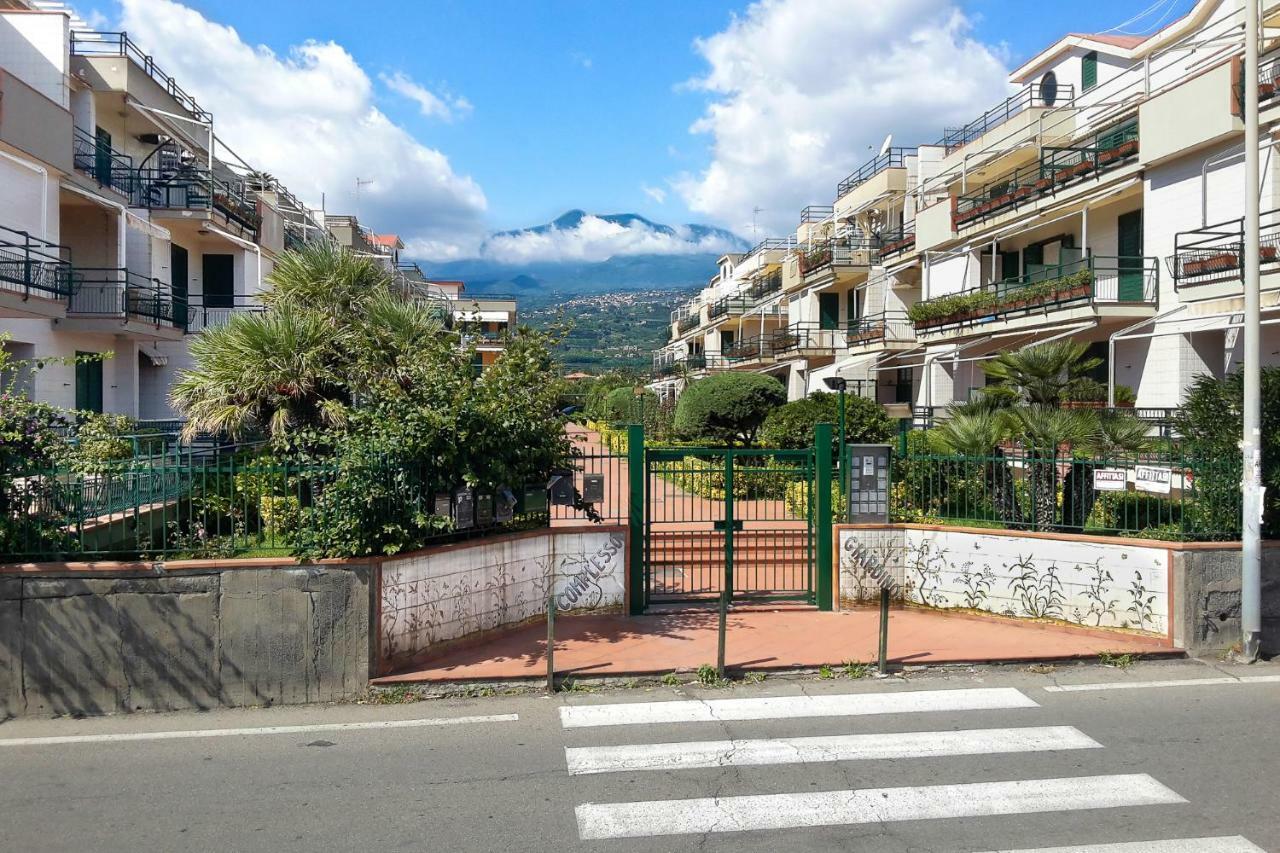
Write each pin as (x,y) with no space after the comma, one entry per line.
(88,382)
(219,281)
(828,310)
(902,391)
(1130,276)
(738,520)
(178,272)
(102,157)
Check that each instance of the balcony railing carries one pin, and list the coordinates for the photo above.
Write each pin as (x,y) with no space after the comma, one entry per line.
(1214,254)
(89,43)
(1044,288)
(193,189)
(1057,167)
(34,267)
(807,337)
(211,312)
(728,305)
(897,240)
(688,323)
(894,158)
(95,158)
(1269,80)
(859,250)
(752,348)
(887,326)
(118,293)
(1034,95)
(765,286)
(817,213)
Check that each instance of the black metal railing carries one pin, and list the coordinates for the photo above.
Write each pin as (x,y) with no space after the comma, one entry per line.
(1034,95)
(31,266)
(766,244)
(1269,79)
(91,43)
(807,337)
(858,250)
(751,348)
(886,326)
(765,285)
(728,305)
(193,188)
(897,240)
(894,158)
(817,213)
(1215,253)
(688,323)
(97,159)
(109,292)
(210,312)
(1057,167)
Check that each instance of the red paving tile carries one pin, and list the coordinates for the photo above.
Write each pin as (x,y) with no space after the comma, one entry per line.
(763,638)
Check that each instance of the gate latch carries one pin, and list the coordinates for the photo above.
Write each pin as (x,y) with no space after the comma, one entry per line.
(737,525)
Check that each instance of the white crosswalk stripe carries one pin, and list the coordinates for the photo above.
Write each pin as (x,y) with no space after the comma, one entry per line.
(752,811)
(806,750)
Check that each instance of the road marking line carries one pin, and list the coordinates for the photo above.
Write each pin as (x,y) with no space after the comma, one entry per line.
(791,707)
(868,805)
(1221,844)
(1176,682)
(803,750)
(263,730)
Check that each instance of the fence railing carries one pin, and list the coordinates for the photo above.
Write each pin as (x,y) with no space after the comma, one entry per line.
(765,285)
(1153,496)
(31,266)
(894,158)
(90,43)
(119,293)
(211,312)
(817,213)
(97,159)
(1215,253)
(861,250)
(729,305)
(1033,95)
(807,337)
(897,240)
(194,189)
(886,326)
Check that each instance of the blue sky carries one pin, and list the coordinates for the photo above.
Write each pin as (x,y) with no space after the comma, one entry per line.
(584,104)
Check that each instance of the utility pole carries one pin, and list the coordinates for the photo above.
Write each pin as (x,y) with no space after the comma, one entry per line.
(1251,550)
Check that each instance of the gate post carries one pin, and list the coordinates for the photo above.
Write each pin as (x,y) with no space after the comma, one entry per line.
(822,509)
(636,557)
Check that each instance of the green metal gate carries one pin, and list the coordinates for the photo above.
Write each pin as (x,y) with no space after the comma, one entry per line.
(755,524)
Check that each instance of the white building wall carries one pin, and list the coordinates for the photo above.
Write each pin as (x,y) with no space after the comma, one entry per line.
(35,47)
(22,207)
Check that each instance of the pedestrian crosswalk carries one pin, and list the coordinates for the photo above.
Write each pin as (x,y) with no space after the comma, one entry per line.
(748,811)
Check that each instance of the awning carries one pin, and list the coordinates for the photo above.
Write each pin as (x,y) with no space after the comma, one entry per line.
(471,316)
(154,355)
(132,220)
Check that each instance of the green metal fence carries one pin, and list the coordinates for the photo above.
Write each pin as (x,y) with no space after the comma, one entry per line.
(1154,496)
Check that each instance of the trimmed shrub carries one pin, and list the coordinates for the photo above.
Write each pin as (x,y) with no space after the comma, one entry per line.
(727,408)
(791,426)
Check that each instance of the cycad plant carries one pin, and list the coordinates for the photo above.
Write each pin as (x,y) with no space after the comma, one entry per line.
(980,433)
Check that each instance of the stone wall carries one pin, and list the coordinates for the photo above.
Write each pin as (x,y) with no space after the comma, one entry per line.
(456,591)
(96,642)
(1207,589)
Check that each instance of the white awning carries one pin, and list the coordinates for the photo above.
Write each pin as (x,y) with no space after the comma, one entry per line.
(132,219)
(154,355)
(470,316)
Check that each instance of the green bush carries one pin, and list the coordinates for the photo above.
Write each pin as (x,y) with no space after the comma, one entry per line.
(791,425)
(705,478)
(621,406)
(727,408)
(798,498)
(100,442)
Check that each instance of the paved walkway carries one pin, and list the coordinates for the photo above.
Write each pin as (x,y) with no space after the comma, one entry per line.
(762,639)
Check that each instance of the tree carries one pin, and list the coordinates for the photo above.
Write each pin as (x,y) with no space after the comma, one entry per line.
(727,408)
(1041,374)
(979,434)
(791,425)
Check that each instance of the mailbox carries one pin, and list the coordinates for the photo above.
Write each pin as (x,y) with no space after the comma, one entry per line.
(593,488)
(444,505)
(869,483)
(484,510)
(561,485)
(464,509)
(535,500)
(504,510)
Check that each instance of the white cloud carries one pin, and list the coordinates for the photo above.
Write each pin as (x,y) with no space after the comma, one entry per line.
(581,59)
(804,91)
(308,118)
(658,194)
(444,106)
(594,239)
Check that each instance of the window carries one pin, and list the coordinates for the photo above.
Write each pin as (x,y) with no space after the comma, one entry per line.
(1089,71)
(1049,89)
(88,382)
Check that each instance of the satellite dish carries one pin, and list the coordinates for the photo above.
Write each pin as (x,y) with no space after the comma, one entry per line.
(884,147)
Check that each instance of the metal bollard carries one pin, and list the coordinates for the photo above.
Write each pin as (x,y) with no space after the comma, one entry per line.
(551,642)
(724,612)
(884,632)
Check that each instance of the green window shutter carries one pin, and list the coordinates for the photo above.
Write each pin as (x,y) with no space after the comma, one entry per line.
(828,310)
(1089,71)
(88,383)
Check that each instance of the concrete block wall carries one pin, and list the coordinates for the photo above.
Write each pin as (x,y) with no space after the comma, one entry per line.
(88,643)
(1207,596)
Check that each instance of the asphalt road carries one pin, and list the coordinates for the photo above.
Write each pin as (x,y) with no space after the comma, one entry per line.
(963,761)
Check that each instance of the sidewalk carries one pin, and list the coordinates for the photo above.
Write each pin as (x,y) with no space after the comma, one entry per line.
(763,639)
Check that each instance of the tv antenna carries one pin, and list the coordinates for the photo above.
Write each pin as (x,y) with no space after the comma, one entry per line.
(755,228)
(360,183)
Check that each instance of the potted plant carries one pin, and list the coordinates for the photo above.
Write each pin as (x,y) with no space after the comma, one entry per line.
(1063,175)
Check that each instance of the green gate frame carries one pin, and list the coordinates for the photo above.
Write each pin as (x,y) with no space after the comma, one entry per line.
(640,459)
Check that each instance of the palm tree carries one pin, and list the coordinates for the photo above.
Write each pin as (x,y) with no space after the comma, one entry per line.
(1112,434)
(325,277)
(1042,373)
(1042,430)
(979,433)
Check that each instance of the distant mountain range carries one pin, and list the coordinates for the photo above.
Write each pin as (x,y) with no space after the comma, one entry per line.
(581,253)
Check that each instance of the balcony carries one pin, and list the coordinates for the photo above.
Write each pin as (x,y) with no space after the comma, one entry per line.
(748,351)
(192,187)
(33,271)
(212,312)
(860,250)
(688,323)
(807,339)
(1034,95)
(881,331)
(817,213)
(897,241)
(1088,282)
(894,158)
(90,44)
(728,306)
(120,295)
(104,164)
(1058,168)
(1214,255)
(765,286)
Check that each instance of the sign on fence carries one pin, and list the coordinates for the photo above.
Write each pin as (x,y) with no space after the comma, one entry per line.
(1110,479)
(1154,480)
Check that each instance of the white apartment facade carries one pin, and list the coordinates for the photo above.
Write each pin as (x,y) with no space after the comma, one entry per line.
(1102,201)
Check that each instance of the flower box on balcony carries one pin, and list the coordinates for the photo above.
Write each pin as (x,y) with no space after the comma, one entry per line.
(1266,90)
(1268,253)
(1082,168)
(1225,262)
(1044,183)
(1064,175)
(1022,192)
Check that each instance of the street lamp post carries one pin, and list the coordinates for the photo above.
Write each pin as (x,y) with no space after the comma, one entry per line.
(839,384)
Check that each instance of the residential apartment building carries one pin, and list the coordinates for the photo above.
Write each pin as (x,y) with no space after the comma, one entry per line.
(1101,201)
(127,226)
